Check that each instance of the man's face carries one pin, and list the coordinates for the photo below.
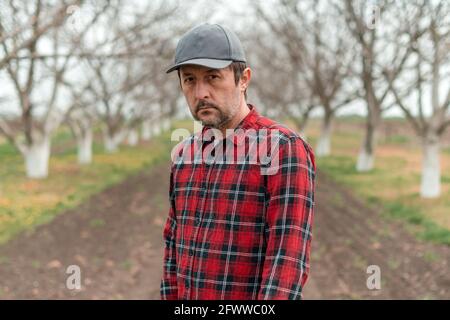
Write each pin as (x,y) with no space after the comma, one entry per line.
(212,94)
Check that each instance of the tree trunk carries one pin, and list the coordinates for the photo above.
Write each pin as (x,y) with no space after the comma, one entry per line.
(366,157)
(146,133)
(133,137)
(165,124)
(37,159)
(112,141)
(431,171)
(301,124)
(111,145)
(85,146)
(324,143)
(156,128)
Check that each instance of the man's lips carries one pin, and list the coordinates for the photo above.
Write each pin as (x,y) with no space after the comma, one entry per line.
(205,108)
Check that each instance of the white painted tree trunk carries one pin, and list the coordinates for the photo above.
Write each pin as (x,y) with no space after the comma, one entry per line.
(323,146)
(37,158)
(146,132)
(431,171)
(156,128)
(166,124)
(112,141)
(365,161)
(133,137)
(111,146)
(85,147)
(366,157)
(324,143)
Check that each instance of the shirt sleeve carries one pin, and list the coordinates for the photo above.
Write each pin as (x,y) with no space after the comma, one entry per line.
(289,218)
(169,289)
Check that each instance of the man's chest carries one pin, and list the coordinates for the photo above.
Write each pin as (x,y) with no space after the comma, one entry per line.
(219,191)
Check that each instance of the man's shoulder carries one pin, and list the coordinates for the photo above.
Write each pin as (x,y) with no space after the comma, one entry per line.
(276,128)
(286,137)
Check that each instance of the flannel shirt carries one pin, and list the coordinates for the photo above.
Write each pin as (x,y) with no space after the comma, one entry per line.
(235,233)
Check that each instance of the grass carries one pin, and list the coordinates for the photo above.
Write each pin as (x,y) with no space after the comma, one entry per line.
(393,193)
(397,139)
(26,203)
(126,265)
(359,262)
(395,181)
(393,263)
(94,223)
(431,257)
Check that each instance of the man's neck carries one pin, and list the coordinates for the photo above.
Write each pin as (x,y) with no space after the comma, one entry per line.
(240,115)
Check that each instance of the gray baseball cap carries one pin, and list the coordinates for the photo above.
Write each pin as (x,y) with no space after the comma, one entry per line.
(209,45)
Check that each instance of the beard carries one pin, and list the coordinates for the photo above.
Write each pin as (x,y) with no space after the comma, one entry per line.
(215,117)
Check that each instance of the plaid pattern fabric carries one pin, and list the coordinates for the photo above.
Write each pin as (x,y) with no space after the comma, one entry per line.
(234,233)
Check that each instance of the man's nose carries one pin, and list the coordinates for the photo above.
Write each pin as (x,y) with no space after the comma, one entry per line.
(201,90)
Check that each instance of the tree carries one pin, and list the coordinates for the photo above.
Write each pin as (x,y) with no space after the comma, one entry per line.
(28,74)
(123,88)
(81,118)
(319,53)
(424,31)
(369,26)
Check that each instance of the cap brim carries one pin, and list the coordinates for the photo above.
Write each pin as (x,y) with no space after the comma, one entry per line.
(209,63)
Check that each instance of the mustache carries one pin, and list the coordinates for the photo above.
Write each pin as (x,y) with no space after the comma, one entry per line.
(205,104)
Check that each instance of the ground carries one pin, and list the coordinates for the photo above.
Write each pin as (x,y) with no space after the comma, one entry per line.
(116,239)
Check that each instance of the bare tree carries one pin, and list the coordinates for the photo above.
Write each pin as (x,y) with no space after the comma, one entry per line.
(369,25)
(81,118)
(277,85)
(425,30)
(319,54)
(27,73)
(136,41)
(15,31)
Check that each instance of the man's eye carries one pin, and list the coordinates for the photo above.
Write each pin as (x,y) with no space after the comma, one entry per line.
(213,76)
(188,80)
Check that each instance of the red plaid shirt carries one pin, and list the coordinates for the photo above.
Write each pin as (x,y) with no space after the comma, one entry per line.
(234,232)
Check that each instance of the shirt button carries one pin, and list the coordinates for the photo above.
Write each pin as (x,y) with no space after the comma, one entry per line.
(186,283)
(197,221)
(191,252)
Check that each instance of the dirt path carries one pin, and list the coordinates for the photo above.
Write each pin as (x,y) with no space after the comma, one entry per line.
(348,237)
(115,238)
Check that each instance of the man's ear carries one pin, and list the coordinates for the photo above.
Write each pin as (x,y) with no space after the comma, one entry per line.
(245,79)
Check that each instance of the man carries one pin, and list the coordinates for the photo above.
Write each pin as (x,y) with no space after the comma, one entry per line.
(236,229)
